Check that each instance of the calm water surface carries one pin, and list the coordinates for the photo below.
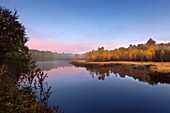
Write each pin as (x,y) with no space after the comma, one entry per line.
(105,90)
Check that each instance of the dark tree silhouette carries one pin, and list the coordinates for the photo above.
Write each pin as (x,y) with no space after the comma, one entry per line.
(14,53)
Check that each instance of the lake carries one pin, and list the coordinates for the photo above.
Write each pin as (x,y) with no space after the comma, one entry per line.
(105,90)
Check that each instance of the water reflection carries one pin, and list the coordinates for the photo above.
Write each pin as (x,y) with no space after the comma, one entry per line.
(101,73)
(35,80)
(74,90)
(143,76)
(48,65)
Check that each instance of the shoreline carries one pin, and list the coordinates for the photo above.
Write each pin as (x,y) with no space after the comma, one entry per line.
(153,67)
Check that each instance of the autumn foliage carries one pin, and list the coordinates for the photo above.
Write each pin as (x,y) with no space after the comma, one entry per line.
(142,52)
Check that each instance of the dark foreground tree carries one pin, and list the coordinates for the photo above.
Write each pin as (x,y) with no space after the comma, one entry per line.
(16,69)
(13,52)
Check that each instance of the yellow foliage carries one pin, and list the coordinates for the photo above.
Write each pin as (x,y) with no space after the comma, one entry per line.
(148,55)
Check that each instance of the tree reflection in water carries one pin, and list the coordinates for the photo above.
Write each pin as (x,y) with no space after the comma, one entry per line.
(48,65)
(143,76)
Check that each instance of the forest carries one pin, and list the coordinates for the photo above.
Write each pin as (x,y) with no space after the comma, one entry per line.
(142,52)
(37,55)
(149,51)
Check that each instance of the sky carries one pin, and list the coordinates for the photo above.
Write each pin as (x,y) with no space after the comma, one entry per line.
(77,26)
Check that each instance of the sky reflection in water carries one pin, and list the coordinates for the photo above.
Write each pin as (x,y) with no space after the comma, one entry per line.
(76,91)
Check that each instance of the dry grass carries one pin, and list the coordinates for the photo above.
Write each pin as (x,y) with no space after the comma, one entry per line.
(154,66)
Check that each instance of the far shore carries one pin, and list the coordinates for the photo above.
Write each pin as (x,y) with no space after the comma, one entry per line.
(153,66)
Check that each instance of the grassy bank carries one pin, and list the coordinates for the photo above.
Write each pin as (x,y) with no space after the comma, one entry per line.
(156,67)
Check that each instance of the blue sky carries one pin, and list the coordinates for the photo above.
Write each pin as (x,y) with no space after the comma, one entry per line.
(81,25)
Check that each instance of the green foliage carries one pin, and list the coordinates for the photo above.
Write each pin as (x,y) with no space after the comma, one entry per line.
(14,53)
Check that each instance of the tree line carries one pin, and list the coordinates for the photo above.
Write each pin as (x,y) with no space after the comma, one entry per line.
(142,52)
(37,55)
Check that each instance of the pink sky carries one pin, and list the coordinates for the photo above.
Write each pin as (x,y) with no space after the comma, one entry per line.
(60,46)
(68,47)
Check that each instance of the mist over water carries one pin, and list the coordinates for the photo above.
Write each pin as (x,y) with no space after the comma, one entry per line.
(105,90)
